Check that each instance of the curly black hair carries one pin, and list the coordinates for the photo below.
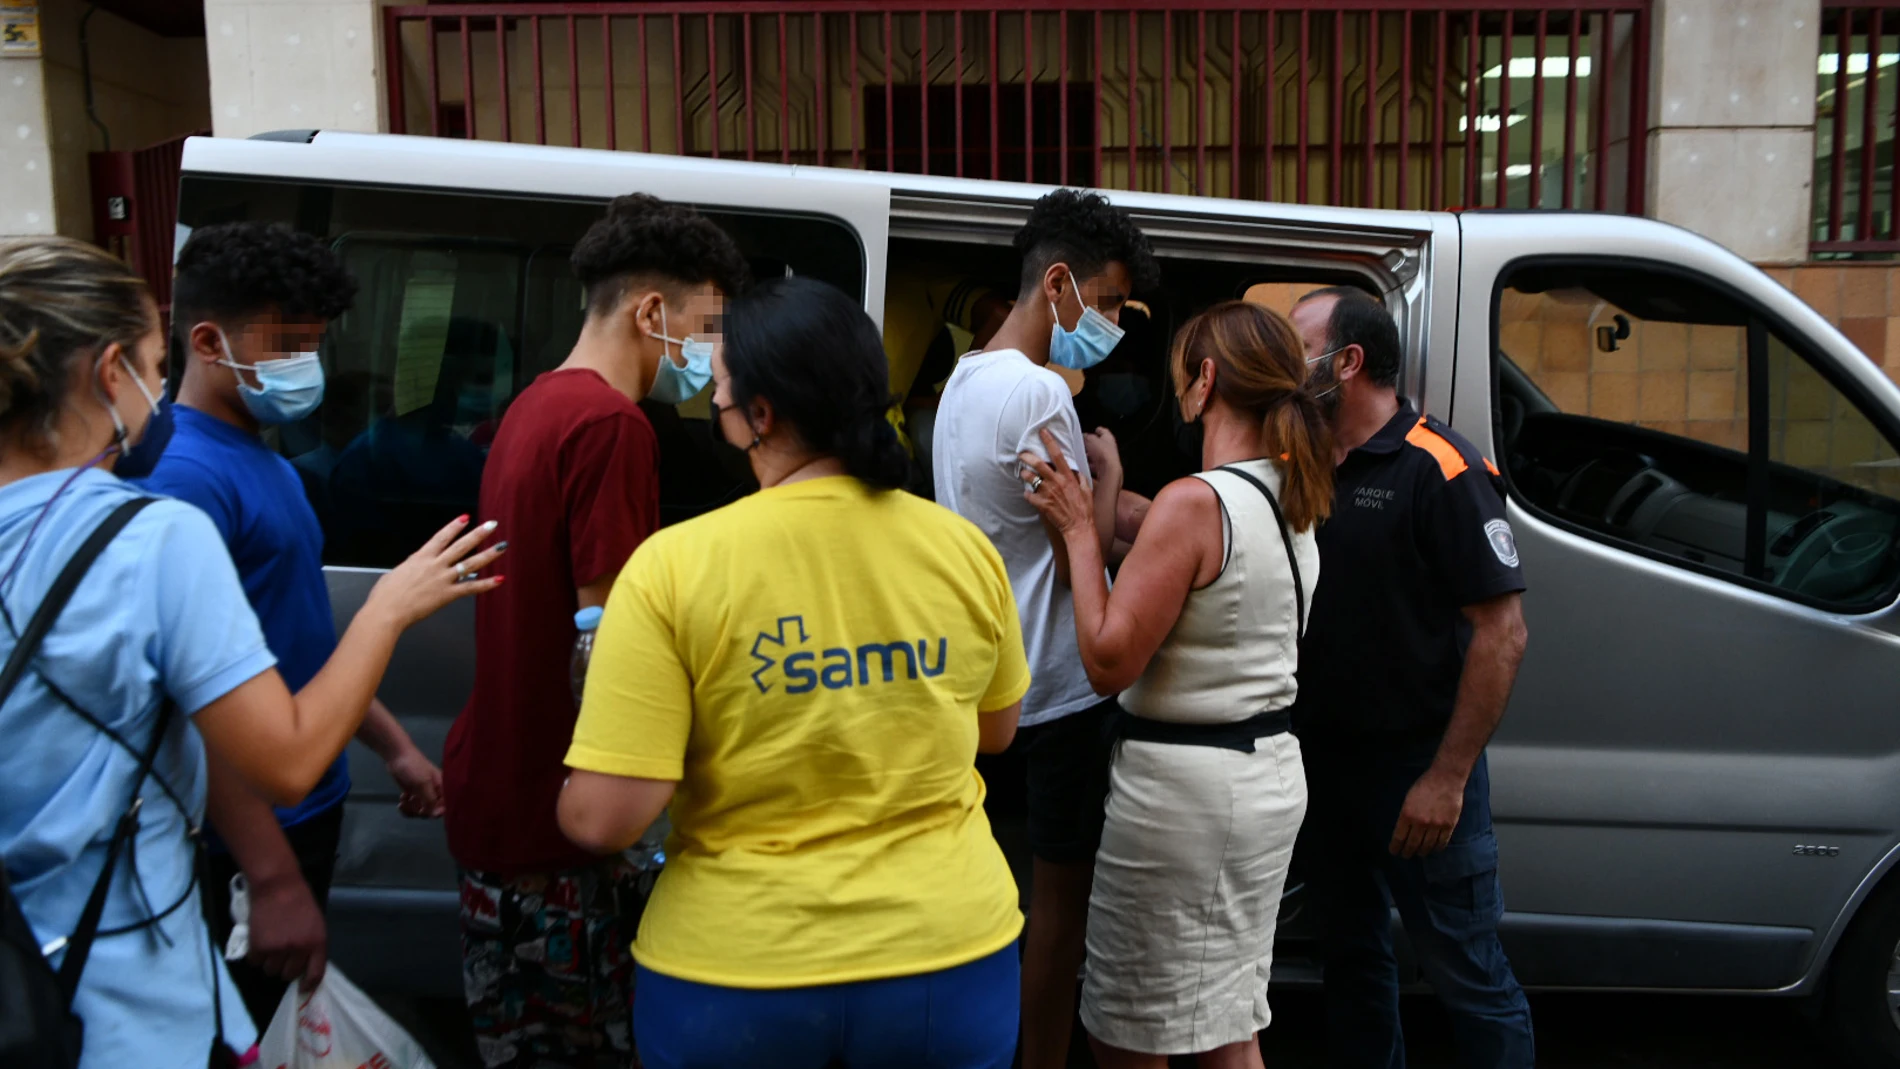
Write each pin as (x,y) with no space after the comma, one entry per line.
(1086,232)
(643,235)
(233,270)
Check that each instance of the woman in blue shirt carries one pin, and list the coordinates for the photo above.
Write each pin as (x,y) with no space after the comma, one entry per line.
(159,617)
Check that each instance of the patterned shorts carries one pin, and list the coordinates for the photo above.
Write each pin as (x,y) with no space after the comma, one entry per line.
(548,967)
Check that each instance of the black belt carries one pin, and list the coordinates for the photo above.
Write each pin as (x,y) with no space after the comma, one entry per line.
(1236,735)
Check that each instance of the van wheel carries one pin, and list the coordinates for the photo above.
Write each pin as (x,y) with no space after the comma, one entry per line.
(1863,999)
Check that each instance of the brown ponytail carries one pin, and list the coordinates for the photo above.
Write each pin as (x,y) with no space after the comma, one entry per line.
(1260,367)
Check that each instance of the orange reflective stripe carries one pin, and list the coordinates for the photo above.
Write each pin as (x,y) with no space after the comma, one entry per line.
(1490,467)
(1450,461)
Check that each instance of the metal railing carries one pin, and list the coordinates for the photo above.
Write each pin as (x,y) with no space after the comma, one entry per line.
(1378,103)
(1856,202)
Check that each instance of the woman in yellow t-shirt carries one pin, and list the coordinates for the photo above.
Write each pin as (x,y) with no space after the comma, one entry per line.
(807,676)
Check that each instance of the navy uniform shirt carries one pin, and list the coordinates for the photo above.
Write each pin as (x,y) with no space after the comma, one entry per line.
(1417,533)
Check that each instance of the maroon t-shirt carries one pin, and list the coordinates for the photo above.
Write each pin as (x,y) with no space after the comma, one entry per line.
(573,479)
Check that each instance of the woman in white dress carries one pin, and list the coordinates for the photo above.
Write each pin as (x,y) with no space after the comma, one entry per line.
(1201,633)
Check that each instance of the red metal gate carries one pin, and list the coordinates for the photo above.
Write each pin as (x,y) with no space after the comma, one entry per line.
(1856,201)
(135,209)
(1379,103)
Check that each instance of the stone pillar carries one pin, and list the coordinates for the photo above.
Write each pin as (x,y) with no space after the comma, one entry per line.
(1731,122)
(27,204)
(295,65)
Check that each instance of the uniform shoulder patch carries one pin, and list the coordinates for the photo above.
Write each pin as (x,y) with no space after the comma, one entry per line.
(1450,461)
(1503,542)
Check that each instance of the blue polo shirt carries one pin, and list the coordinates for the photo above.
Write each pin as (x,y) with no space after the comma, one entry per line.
(159,615)
(256,500)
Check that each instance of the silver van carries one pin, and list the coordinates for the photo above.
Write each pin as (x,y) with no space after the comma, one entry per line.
(1697,787)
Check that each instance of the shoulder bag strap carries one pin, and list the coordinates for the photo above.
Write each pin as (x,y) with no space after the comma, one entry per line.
(79,944)
(1286,537)
(61,592)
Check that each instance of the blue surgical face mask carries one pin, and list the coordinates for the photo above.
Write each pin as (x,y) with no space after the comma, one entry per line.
(474,404)
(139,460)
(288,389)
(1093,338)
(673,384)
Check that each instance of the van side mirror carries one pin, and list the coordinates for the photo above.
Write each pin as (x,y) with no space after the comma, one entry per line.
(1607,337)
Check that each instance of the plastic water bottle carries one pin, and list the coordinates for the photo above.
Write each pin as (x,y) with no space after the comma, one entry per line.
(586,621)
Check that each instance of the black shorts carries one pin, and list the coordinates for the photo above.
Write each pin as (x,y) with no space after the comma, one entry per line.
(1066,764)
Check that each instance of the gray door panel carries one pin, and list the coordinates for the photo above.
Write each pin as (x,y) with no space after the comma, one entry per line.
(426,686)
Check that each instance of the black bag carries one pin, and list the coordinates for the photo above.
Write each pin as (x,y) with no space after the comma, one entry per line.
(38,1029)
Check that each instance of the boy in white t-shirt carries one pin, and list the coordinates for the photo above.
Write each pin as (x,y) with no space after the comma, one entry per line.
(1082,260)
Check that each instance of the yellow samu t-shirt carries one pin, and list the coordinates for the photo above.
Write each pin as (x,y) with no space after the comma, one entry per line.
(809,663)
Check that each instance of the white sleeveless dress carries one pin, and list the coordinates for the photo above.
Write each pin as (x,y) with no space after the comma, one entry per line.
(1195,851)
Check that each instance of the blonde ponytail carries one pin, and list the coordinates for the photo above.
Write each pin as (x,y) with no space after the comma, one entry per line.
(61,302)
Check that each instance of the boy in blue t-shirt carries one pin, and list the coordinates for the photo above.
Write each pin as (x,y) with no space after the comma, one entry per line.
(249,307)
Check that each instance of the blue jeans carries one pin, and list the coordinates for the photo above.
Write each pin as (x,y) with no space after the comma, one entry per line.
(1449,902)
(960,1018)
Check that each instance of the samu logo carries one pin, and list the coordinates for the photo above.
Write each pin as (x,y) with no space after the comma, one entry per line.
(841,667)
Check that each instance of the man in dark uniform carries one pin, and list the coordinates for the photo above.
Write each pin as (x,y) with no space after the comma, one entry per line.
(1414,640)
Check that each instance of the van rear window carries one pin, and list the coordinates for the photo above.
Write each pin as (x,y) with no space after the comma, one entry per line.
(464,299)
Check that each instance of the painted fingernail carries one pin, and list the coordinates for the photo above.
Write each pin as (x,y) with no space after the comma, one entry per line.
(500,546)
(500,579)
(463,518)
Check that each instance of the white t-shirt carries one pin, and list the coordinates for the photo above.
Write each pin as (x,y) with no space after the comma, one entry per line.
(993,409)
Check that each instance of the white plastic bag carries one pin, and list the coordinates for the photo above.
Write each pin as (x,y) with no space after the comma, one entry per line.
(240,941)
(336,1027)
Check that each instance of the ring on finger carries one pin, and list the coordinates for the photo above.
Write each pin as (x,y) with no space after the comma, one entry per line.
(1035,484)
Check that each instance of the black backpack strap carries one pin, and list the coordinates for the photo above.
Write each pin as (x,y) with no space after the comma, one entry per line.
(1286,537)
(62,589)
(79,944)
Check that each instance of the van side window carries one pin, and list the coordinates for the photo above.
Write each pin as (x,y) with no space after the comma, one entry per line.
(1654,413)
(463,300)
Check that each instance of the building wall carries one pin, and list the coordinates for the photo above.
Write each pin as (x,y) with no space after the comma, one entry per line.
(146,89)
(1731,119)
(1862,299)
(295,65)
(26,164)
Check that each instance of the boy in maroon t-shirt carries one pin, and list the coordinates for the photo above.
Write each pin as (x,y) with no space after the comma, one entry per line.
(573,477)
